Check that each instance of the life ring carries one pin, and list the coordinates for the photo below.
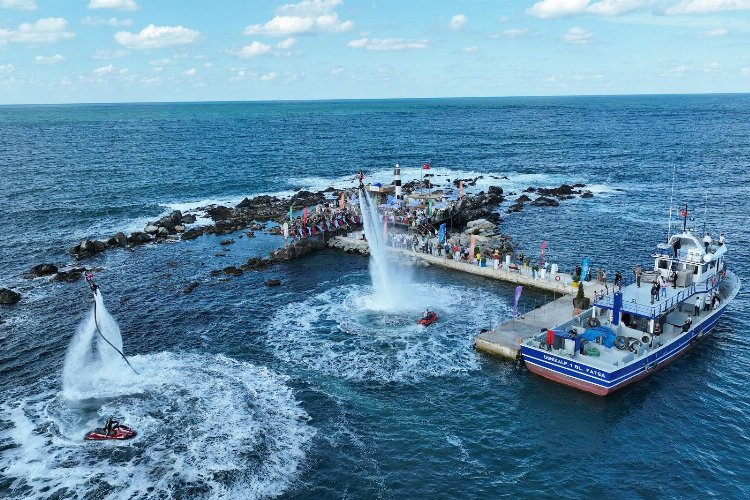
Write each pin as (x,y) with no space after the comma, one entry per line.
(557,278)
(621,343)
(593,322)
(657,329)
(634,344)
(646,338)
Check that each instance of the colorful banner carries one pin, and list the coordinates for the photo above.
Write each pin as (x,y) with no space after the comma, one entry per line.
(460,189)
(519,289)
(304,216)
(429,207)
(472,245)
(441,234)
(342,201)
(584,269)
(544,247)
(291,215)
(285,230)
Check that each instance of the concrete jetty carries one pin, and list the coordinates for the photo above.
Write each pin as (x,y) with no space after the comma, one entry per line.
(559,283)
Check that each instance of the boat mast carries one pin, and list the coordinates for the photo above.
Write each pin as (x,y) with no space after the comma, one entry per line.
(684,219)
(671,199)
(705,213)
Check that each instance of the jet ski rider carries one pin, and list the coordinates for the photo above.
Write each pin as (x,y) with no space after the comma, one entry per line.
(111,425)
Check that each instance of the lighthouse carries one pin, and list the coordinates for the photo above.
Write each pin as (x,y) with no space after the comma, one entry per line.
(397,181)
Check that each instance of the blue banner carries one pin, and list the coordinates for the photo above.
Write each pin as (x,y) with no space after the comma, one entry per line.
(584,269)
(441,233)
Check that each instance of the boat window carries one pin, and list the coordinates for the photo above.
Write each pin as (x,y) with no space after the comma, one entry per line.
(712,264)
(694,269)
(704,267)
(663,264)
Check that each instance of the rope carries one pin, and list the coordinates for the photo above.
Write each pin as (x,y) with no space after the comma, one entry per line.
(107,340)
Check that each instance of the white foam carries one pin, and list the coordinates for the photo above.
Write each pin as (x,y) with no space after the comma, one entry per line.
(339,332)
(208,426)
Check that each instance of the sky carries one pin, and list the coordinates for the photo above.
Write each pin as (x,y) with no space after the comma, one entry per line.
(66,51)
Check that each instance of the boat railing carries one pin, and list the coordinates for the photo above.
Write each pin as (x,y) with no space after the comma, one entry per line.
(654,310)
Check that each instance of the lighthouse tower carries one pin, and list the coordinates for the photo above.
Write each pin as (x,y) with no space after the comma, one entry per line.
(397,181)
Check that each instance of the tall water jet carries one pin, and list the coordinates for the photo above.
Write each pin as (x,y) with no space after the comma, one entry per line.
(93,358)
(390,285)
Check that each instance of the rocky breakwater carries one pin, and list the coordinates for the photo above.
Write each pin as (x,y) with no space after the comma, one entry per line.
(166,228)
(482,206)
(549,197)
(349,245)
(486,234)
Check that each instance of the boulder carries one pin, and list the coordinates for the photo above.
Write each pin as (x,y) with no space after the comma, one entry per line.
(121,240)
(150,229)
(233,271)
(69,276)
(516,207)
(275,230)
(176,216)
(587,194)
(219,212)
(167,223)
(138,238)
(163,231)
(481,224)
(523,199)
(188,219)
(545,202)
(495,190)
(192,233)
(227,242)
(299,248)
(191,286)
(179,228)
(256,263)
(100,246)
(42,270)
(8,297)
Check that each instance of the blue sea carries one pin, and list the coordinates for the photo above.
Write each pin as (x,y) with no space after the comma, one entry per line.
(303,390)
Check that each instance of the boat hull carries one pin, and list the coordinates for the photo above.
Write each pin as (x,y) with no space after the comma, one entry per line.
(577,374)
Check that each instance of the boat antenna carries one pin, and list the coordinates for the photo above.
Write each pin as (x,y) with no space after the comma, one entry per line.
(671,199)
(705,213)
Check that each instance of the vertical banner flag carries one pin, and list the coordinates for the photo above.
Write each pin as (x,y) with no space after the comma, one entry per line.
(285,230)
(304,216)
(460,189)
(291,216)
(519,289)
(385,228)
(342,201)
(584,268)
(544,247)
(441,234)
(472,245)
(429,207)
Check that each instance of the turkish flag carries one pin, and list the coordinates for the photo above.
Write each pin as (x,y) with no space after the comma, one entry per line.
(425,166)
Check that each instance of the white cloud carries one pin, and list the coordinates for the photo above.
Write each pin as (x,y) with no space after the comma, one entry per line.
(255,48)
(387,44)
(161,62)
(49,59)
(49,30)
(513,33)
(110,54)
(104,70)
(191,72)
(714,33)
(678,70)
(18,4)
(471,50)
(267,77)
(712,67)
(706,6)
(546,9)
(208,65)
(101,21)
(308,16)
(459,22)
(156,37)
(336,71)
(577,35)
(286,44)
(7,68)
(744,71)
(113,4)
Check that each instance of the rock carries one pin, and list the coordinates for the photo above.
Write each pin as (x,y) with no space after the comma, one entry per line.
(100,246)
(188,219)
(150,229)
(70,276)
(216,272)
(275,230)
(163,231)
(523,199)
(176,216)
(250,234)
(138,238)
(167,223)
(579,185)
(256,263)
(120,239)
(273,282)
(480,223)
(220,212)
(87,246)
(517,207)
(529,190)
(587,194)
(42,270)
(226,242)
(179,228)
(233,271)
(495,190)
(256,227)
(563,190)
(192,233)
(299,248)
(8,297)
(191,286)
(545,202)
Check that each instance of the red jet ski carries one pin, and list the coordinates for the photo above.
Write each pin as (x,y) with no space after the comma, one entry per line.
(120,432)
(430,319)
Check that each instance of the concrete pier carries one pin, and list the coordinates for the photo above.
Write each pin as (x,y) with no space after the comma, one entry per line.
(558,283)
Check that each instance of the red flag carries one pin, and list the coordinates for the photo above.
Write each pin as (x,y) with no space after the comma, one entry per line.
(544,247)
(425,166)
(683,212)
(304,216)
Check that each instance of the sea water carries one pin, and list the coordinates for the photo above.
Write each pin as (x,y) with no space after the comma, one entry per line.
(299,390)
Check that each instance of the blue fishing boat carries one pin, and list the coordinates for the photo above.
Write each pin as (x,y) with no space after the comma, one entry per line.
(630,332)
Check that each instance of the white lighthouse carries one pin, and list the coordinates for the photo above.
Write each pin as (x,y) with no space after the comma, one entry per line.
(397,181)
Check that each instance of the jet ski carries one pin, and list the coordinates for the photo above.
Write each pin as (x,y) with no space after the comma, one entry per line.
(429,319)
(120,433)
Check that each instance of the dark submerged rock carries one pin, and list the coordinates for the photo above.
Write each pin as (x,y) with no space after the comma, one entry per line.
(8,296)
(42,270)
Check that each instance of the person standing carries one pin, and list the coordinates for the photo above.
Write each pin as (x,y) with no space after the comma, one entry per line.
(698,304)
(673,278)
(637,271)
(618,280)
(654,292)
(707,241)
(657,287)
(663,286)
(721,239)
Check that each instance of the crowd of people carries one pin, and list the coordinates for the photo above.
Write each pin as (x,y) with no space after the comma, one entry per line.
(325,217)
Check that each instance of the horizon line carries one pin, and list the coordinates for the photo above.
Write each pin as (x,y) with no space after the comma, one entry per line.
(340,99)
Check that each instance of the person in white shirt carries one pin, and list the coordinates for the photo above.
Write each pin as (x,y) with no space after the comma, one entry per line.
(721,239)
(707,241)
(698,304)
